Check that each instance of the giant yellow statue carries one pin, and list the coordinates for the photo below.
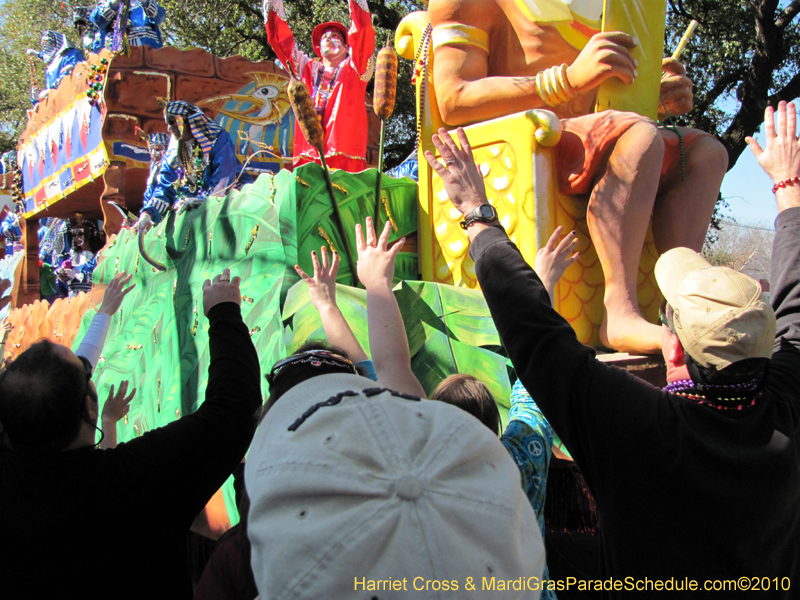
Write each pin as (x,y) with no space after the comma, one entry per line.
(498,57)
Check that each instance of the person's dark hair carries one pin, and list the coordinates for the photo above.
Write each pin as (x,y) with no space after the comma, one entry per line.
(298,373)
(91,235)
(471,395)
(42,399)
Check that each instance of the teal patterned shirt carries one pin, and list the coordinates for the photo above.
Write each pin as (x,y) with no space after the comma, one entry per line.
(529,439)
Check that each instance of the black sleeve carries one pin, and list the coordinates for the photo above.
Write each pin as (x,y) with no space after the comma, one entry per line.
(785,286)
(580,396)
(189,459)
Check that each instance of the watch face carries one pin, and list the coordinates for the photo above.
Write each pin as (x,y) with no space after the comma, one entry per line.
(487,211)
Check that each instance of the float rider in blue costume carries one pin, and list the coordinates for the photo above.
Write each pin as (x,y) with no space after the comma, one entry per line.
(200,162)
(84,28)
(157,145)
(11,231)
(144,19)
(60,55)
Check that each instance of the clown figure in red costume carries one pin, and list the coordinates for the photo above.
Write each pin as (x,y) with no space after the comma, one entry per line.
(337,81)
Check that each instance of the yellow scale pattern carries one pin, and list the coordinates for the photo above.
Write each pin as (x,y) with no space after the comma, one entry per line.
(579,295)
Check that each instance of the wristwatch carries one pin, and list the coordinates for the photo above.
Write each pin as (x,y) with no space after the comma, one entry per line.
(485,213)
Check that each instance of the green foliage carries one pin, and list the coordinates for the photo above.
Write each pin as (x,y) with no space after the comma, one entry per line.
(745,56)
(21,25)
(355,194)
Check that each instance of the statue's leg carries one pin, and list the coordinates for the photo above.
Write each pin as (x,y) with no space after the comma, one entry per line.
(618,215)
(683,208)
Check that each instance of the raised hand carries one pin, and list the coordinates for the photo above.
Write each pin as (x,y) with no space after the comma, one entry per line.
(117,404)
(375,259)
(554,258)
(114,409)
(781,158)
(322,286)
(462,180)
(221,289)
(115,293)
(605,55)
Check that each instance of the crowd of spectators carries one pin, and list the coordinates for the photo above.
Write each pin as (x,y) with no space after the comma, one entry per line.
(358,486)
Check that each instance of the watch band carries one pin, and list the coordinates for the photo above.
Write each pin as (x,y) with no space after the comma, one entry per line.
(485,213)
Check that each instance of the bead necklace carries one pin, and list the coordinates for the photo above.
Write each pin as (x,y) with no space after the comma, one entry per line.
(421,61)
(190,171)
(742,395)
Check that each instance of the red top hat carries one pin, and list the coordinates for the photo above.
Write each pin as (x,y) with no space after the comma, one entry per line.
(316,35)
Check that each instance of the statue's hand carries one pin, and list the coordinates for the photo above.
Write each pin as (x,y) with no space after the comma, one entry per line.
(606,55)
(676,90)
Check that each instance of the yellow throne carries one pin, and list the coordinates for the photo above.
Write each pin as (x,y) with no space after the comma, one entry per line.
(515,156)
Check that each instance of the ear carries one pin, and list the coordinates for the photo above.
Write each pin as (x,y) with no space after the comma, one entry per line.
(91,408)
(675,351)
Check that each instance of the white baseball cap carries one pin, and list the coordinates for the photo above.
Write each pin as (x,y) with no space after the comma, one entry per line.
(350,484)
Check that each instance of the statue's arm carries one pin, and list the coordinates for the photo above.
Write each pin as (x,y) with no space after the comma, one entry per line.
(465,91)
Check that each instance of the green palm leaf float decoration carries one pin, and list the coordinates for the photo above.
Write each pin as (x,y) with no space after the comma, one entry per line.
(355,193)
(445,326)
(305,320)
(159,338)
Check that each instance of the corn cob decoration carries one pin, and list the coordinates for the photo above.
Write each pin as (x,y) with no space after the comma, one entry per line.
(383,105)
(306,113)
(311,127)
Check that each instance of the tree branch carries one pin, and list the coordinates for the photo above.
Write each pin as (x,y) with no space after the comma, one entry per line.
(719,87)
(788,14)
(788,92)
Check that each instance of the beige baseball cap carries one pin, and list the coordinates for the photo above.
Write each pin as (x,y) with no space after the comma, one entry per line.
(720,315)
(357,492)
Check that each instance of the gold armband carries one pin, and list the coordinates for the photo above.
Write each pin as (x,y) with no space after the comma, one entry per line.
(553,86)
(457,35)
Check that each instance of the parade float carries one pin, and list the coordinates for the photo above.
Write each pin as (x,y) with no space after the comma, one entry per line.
(81,152)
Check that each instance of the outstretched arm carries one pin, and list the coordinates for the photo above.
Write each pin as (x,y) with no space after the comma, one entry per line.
(575,392)
(104,14)
(781,158)
(462,47)
(361,36)
(115,408)
(553,259)
(387,335)
(322,289)
(781,161)
(164,195)
(280,36)
(155,13)
(92,342)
